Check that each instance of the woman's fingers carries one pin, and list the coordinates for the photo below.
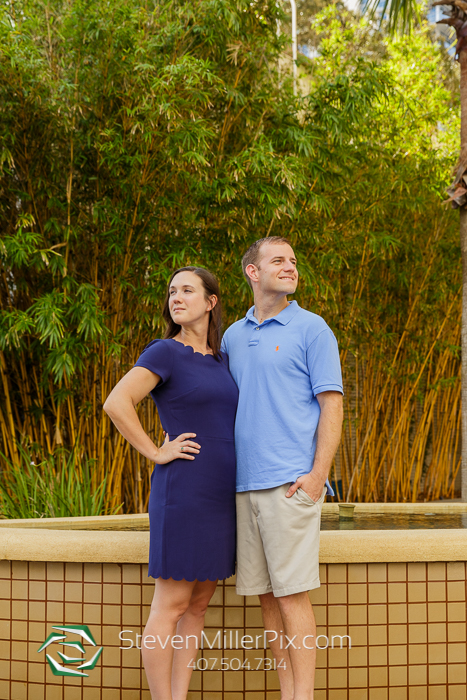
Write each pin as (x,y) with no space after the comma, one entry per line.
(186,442)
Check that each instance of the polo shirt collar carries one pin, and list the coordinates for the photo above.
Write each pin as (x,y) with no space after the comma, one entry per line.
(284,317)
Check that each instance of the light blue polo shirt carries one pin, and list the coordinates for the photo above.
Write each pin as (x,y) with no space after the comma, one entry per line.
(279,367)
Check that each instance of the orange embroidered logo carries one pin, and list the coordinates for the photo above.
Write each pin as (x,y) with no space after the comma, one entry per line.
(277,348)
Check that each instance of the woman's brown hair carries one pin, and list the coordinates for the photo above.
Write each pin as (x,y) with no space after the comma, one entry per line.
(211,286)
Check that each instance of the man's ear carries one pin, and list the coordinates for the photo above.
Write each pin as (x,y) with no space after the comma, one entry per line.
(252,272)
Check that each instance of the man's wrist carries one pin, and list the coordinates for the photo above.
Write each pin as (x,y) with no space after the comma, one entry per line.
(320,475)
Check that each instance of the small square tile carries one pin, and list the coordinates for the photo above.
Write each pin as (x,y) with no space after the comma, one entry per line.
(5,569)
(19,609)
(357,573)
(397,592)
(73,571)
(418,675)
(19,691)
(457,674)
(397,613)
(417,592)
(456,632)
(36,589)
(337,593)
(55,612)
(397,676)
(455,612)
(456,653)
(359,635)
(358,614)
(398,693)
(92,572)
(456,590)
(318,596)
(437,611)
(337,615)
(36,570)
(55,571)
(437,673)
(5,588)
(37,611)
(112,573)
(455,571)
(357,593)
(418,654)
(416,571)
(378,656)
(131,573)
(437,654)
(93,593)
(20,590)
(358,678)
(378,693)
(337,573)
(19,569)
(377,615)
(377,572)
(378,676)
(436,633)
(436,571)
(377,593)
(417,612)
(397,572)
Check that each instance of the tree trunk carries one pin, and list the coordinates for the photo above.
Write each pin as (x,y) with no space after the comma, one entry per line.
(463,242)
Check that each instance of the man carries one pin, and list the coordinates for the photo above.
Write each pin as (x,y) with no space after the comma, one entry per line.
(285,362)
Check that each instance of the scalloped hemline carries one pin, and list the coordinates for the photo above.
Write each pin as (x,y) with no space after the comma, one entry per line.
(192,578)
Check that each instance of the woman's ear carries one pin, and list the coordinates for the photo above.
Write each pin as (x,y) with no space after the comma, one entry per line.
(212,302)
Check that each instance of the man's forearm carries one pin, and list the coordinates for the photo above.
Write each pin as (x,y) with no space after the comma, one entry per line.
(328,433)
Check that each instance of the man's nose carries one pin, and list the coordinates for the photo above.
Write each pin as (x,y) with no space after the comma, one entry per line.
(289,267)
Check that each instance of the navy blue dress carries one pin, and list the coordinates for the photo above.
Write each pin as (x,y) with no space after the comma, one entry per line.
(192,502)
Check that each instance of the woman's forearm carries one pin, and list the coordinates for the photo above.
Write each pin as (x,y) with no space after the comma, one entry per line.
(126,420)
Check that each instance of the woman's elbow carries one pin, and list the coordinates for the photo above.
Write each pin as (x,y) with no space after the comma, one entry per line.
(109,407)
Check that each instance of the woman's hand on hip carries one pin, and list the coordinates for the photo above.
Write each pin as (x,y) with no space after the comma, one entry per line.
(180,448)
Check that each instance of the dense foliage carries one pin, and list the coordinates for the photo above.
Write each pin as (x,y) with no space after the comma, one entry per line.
(139,137)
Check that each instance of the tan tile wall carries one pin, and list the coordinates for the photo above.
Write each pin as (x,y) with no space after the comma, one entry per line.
(407,624)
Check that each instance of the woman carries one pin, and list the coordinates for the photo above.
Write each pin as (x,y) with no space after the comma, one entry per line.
(192,500)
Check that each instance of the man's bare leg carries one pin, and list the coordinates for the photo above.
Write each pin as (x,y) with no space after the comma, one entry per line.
(272,621)
(294,615)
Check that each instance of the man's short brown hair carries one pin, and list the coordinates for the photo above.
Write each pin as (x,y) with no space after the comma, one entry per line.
(253,254)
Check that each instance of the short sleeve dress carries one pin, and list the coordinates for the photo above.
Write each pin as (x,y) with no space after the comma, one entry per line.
(192,502)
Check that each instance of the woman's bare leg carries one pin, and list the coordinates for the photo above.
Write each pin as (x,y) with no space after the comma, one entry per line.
(170,602)
(189,628)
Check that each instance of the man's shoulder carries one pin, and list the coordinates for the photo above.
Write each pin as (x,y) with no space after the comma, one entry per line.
(312,323)
(236,326)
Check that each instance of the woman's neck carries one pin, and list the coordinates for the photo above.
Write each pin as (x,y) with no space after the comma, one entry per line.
(195,337)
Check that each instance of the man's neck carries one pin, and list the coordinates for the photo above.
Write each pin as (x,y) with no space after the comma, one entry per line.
(267,306)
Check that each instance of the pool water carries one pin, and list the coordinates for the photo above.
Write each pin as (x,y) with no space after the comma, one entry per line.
(396,521)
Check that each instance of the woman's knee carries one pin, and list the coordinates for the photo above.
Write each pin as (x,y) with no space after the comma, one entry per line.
(200,600)
(174,609)
(198,607)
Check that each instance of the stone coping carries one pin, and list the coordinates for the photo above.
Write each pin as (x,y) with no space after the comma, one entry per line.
(338,546)
(141,520)
(91,522)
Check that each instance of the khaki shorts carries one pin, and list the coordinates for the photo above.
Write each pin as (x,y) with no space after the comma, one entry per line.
(277,541)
